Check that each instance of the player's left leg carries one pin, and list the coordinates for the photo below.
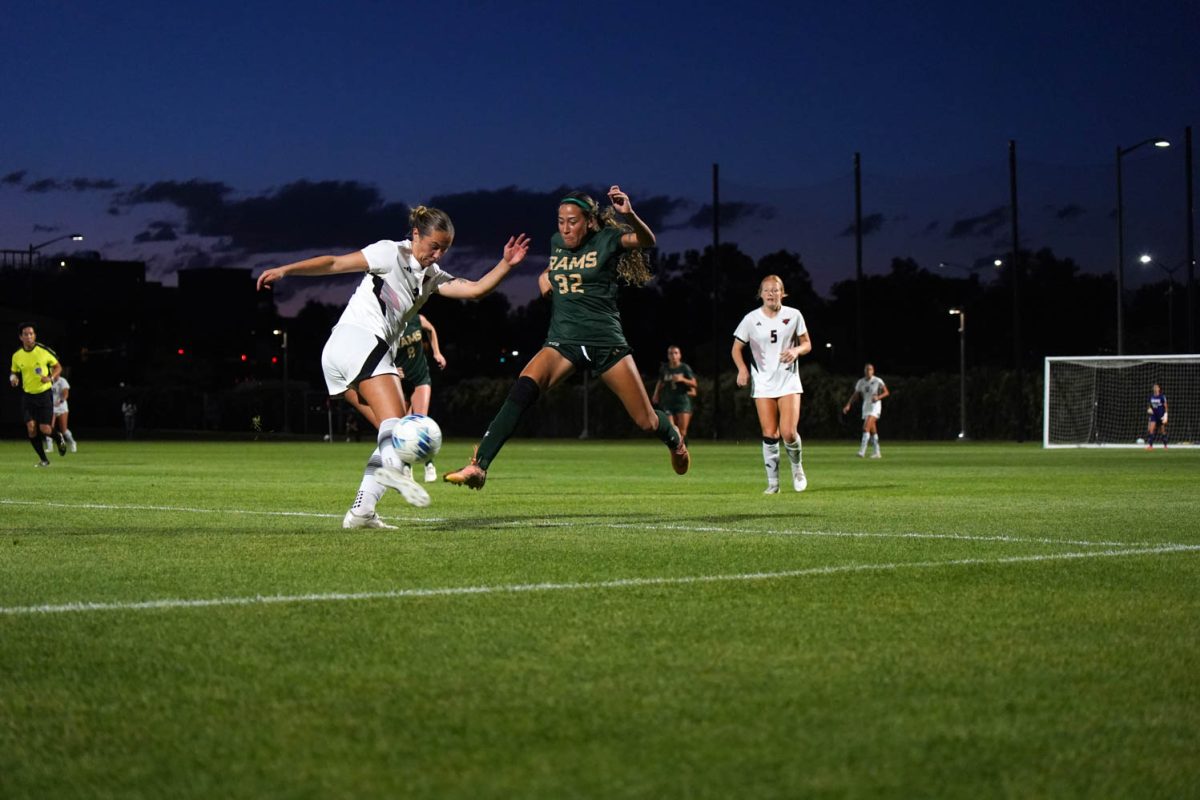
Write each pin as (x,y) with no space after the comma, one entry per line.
(768,421)
(384,396)
(789,428)
(626,383)
(873,427)
(1151,428)
(61,421)
(682,420)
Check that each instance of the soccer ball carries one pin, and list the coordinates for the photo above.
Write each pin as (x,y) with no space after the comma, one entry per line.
(416,438)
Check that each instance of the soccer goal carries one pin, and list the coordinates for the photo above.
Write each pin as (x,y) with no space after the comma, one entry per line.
(1100,401)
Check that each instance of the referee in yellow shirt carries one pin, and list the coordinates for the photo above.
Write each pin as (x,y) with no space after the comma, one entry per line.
(34,368)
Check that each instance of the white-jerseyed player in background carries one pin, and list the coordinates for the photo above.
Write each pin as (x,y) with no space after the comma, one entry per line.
(358,355)
(62,391)
(872,390)
(777,336)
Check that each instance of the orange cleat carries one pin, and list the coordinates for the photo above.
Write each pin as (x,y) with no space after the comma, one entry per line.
(680,459)
(472,475)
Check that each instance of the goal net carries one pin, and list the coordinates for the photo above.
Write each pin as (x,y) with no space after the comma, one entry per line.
(1101,401)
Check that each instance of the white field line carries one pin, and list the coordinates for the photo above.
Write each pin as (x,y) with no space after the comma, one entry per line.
(621,583)
(967,537)
(547,523)
(114,507)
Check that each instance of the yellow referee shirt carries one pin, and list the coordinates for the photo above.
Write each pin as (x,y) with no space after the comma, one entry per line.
(31,365)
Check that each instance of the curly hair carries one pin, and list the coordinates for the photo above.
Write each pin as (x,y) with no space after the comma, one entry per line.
(633,266)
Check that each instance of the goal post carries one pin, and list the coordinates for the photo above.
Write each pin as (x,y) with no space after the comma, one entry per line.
(1100,401)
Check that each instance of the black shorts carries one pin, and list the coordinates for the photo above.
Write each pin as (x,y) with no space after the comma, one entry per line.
(38,407)
(598,358)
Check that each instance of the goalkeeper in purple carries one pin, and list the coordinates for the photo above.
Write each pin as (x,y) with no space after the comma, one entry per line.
(1156,411)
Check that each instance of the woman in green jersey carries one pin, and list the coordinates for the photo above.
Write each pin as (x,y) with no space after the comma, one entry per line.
(588,254)
(675,389)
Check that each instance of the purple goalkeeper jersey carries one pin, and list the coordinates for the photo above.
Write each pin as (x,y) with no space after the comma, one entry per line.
(1158,405)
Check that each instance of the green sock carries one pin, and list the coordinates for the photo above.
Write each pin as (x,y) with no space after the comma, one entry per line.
(523,395)
(667,433)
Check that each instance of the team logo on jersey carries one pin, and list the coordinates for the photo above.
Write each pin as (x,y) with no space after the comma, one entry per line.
(786,320)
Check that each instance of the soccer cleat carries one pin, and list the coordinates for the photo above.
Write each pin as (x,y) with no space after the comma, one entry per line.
(413,493)
(73,447)
(1149,447)
(799,480)
(772,488)
(430,472)
(680,459)
(372,520)
(61,444)
(407,470)
(861,454)
(42,464)
(472,475)
(876,454)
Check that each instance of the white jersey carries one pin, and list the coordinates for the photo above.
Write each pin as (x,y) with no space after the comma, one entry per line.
(870,390)
(59,386)
(768,337)
(393,290)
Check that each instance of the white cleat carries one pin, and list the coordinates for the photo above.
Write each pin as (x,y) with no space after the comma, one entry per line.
(407,470)
(799,480)
(430,473)
(372,520)
(861,454)
(413,493)
(876,454)
(73,447)
(772,488)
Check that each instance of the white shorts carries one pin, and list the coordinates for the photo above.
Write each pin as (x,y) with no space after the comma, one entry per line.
(873,409)
(778,384)
(353,354)
(60,410)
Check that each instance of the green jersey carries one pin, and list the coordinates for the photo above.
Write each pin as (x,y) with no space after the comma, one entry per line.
(673,396)
(583,291)
(410,353)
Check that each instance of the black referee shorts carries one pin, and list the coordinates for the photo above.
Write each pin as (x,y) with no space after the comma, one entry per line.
(38,407)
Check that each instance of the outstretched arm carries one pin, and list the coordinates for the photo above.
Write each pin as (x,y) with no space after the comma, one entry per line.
(319,265)
(462,289)
(427,326)
(641,236)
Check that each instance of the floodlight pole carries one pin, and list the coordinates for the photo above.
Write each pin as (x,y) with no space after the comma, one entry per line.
(962,372)
(859,344)
(716,332)
(1122,152)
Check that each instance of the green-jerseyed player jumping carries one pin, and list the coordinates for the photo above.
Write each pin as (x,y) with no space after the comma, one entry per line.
(588,254)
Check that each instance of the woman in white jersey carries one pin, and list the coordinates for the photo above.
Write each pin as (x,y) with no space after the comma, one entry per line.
(872,390)
(62,409)
(400,277)
(777,336)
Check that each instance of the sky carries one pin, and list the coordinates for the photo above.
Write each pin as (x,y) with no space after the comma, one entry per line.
(249,134)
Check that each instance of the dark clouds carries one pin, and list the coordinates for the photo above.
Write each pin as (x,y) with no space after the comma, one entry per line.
(1069,212)
(303,215)
(13,178)
(979,227)
(43,185)
(157,232)
(872,223)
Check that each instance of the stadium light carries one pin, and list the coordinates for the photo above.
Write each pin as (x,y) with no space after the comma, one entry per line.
(1147,260)
(1158,142)
(962,372)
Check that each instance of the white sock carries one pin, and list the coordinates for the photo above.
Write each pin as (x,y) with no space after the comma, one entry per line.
(386,450)
(70,438)
(875,441)
(793,451)
(370,491)
(770,453)
(866,438)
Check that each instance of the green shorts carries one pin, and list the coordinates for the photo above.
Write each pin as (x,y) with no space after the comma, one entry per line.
(598,358)
(416,371)
(683,406)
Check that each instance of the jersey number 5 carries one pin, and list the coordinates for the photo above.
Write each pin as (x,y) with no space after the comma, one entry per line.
(569,283)
(774,336)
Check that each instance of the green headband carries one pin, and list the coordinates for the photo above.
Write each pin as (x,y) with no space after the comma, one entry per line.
(576,201)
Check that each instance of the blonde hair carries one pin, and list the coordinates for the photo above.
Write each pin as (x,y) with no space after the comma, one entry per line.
(426,220)
(632,266)
(776,278)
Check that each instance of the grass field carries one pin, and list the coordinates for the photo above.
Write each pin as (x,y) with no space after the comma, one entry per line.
(190,621)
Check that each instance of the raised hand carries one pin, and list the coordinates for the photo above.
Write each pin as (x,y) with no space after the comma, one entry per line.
(269,277)
(620,200)
(516,249)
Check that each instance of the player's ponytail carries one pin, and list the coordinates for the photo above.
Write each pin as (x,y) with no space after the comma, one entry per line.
(632,266)
(425,220)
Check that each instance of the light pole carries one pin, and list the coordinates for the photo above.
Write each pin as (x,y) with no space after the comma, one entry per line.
(287,428)
(1147,259)
(996,263)
(1121,153)
(33,248)
(962,372)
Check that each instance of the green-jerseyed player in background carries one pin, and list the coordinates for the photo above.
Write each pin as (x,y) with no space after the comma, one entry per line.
(588,254)
(675,389)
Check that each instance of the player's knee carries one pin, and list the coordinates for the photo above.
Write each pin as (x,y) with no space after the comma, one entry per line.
(524,392)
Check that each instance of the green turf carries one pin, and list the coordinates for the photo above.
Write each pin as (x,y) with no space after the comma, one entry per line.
(934,637)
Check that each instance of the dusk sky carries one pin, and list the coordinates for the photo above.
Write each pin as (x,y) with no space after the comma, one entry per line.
(243,134)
